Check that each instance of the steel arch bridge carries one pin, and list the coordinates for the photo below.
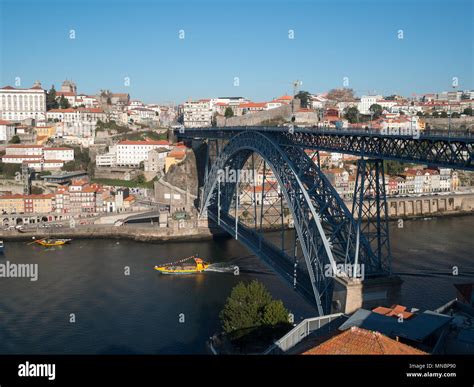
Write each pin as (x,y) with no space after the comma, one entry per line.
(327,231)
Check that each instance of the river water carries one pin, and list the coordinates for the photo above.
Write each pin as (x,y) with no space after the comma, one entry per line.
(145,312)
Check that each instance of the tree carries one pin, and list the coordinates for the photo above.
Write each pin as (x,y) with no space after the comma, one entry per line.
(51,102)
(140,179)
(468,111)
(376,110)
(455,115)
(352,114)
(250,307)
(275,313)
(419,114)
(304,97)
(341,95)
(444,114)
(15,140)
(64,103)
(228,112)
(109,101)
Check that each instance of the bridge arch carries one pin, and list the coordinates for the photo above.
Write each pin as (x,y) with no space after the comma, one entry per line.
(323,223)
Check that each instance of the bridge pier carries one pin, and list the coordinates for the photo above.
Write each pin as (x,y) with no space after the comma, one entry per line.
(350,294)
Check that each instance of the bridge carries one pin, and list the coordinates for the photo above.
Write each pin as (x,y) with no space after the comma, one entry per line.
(329,239)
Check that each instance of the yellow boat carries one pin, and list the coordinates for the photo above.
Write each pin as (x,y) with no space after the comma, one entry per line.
(52,242)
(181,267)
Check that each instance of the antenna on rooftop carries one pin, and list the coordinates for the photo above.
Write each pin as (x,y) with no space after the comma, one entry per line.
(296,85)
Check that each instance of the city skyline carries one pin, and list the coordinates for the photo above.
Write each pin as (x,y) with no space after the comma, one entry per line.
(217,53)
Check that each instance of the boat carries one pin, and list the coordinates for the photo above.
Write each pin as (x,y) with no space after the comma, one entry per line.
(52,242)
(183,267)
(2,247)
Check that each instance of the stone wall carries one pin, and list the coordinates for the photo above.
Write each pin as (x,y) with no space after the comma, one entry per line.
(456,123)
(282,113)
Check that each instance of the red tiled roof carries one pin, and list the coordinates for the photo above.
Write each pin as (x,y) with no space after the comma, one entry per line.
(146,142)
(394,311)
(177,154)
(358,341)
(69,110)
(65,93)
(37,157)
(58,148)
(253,105)
(24,146)
(4,122)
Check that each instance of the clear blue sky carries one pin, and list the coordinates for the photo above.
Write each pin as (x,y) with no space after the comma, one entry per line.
(246,39)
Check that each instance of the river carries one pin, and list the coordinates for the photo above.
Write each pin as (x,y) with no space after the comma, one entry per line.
(145,312)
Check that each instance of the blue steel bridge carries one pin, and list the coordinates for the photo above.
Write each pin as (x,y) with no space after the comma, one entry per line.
(327,233)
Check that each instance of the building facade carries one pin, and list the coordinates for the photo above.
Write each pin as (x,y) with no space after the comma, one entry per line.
(20,104)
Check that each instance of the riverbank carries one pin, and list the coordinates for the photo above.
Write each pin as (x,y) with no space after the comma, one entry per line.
(164,234)
(134,233)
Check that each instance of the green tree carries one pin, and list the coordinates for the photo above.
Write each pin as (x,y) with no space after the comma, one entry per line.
(51,102)
(455,115)
(15,140)
(352,114)
(250,307)
(140,179)
(304,97)
(64,103)
(393,167)
(468,111)
(376,110)
(228,112)
(444,114)
(275,313)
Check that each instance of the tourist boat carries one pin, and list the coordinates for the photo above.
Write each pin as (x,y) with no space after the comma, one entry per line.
(183,267)
(52,242)
(2,247)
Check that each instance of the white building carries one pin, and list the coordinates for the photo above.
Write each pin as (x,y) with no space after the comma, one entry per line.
(58,153)
(17,154)
(198,113)
(76,115)
(20,104)
(132,153)
(156,160)
(7,130)
(366,101)
(108,159)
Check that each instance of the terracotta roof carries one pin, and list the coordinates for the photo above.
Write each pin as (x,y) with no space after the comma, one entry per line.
(24,146)
(177,154)
(65,93)
(70,110)
(4,122)
(90,110)
(58,148)
(146,142)
(358,341)
(394,311)
(19,196)
(38,157)
(253,105)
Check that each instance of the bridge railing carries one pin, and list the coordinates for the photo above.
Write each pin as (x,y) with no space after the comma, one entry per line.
(441,133)
(300,332)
